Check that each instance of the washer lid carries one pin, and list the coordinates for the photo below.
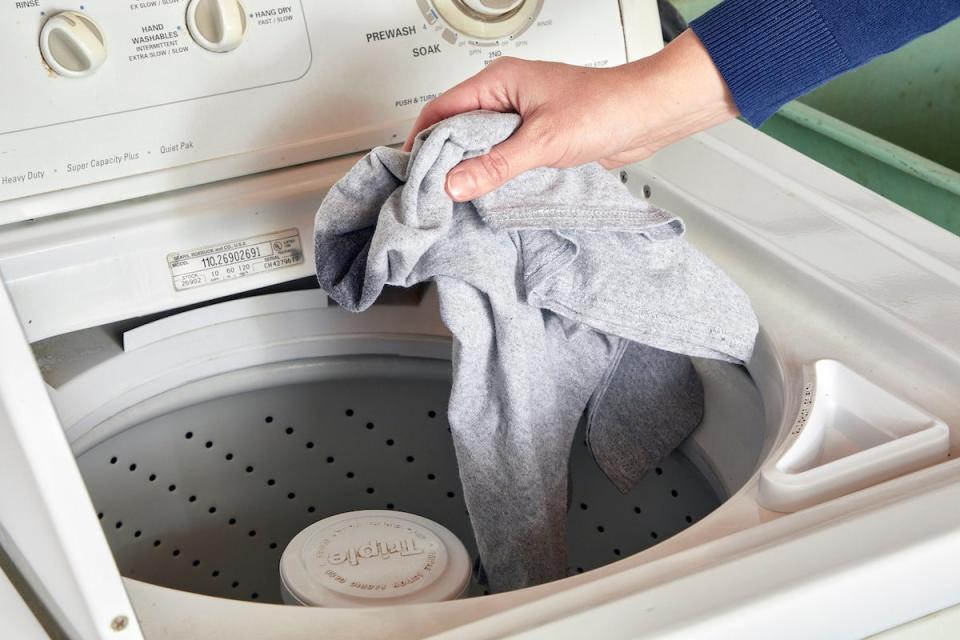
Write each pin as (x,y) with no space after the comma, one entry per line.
(374,558)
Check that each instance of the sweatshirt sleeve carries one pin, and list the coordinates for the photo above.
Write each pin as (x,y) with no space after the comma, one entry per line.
(772,51)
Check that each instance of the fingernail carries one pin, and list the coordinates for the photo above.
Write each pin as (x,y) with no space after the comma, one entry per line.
(461,185)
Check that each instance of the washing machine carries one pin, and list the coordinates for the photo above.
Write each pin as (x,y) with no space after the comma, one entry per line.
(178,400)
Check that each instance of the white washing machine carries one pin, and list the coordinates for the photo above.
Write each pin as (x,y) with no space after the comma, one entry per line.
(178,400)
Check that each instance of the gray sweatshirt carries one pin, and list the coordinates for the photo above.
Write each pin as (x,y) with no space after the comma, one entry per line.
(566,297)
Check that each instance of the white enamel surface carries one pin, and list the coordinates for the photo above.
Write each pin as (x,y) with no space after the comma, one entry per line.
(47,524)
(188,321)
(642,36)
(66,274)
(17,618)
(850,434)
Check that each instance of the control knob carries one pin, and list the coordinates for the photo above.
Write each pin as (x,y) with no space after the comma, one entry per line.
(217,25)
(492,8)
(488,19)
(72,44)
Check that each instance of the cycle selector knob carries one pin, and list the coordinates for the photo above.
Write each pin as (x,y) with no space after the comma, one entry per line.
(492,8)
(487,19)
(217,25)
(72,44)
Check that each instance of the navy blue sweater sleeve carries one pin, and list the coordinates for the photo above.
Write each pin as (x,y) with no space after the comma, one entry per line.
(771,51)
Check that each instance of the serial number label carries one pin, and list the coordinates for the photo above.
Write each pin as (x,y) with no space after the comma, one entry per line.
(235,259)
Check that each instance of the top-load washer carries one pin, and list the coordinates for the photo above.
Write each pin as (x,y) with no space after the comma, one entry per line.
(178,400)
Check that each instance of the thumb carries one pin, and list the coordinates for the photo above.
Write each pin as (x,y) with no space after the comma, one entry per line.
(478,176)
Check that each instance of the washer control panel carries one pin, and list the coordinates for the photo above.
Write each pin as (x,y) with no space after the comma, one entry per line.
(111,99)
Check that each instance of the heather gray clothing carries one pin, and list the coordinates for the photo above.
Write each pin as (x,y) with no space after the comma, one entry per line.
(561,290)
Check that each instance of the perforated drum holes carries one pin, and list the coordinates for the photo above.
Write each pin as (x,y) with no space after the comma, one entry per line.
(290,456)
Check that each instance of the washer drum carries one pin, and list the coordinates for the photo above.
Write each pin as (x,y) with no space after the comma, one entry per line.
(202,486)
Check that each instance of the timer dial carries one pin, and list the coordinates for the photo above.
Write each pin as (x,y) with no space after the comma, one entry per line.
(488,19)
(72,44)
(217,25)
(492,8)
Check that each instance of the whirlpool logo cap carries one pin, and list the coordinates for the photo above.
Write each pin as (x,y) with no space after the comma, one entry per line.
(373,558)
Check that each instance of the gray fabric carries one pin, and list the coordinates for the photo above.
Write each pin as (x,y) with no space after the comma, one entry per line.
(560,289)
(644,408)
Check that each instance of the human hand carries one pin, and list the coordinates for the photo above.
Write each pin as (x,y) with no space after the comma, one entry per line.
(574,115)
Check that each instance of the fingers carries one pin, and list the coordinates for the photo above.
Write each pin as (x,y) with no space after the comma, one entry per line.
(478,176)
(461,98)
(483,91)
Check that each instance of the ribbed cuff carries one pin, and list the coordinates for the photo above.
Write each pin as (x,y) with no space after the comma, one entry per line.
(769,51)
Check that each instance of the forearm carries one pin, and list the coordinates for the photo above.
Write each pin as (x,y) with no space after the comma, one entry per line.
(677,92)
(772,51)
